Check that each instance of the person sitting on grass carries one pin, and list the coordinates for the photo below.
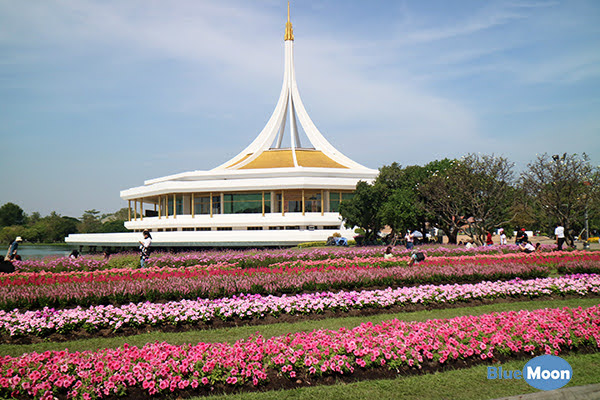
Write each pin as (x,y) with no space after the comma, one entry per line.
(388,253)
(527,247)
(470,244)
(415,257)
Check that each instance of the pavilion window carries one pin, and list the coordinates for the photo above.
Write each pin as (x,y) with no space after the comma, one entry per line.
(202,204)
(245,203)
(336,198)
(179,205)
(292,201)
(170,206)
(216,205)
(312,201)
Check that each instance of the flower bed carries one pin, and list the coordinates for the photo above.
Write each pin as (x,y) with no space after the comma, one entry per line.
(222,268)
(305,276)
(549,258)
(579,266)
(247,258)
(47,321)
(393,346)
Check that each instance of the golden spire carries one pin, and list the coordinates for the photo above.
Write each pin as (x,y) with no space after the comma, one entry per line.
(289,33)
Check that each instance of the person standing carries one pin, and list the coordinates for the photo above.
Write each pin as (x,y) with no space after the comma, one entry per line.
(519,236)
(502,237)
(409,240)
(145,248)
(12,249)
(559,232)
(525,237)
(488,239)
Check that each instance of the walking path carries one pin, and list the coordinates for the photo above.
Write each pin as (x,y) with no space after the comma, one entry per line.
(586,392)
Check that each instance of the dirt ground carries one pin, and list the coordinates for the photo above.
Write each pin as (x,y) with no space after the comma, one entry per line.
(532,239)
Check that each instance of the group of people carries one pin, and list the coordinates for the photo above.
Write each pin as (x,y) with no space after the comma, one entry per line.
(12,253)
(415,256)
(522,240)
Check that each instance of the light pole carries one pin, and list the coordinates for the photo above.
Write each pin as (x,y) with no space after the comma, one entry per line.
(586,244)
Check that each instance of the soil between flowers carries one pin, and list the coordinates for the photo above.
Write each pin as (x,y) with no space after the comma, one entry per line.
(270,319)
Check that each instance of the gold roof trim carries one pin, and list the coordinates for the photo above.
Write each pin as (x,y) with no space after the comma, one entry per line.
(289,32)
(284,159)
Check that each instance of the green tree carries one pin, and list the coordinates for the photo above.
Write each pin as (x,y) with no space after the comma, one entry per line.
(364,209)
(11,214)
(9,233)
(475,193)
(90,222)
(113,226)
(443,200)
(564,188)
(33,218)
(55,228)
(404,207)
(400,211)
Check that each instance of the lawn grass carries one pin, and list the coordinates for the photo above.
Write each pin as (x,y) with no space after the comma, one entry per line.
(462,384)
(236,333)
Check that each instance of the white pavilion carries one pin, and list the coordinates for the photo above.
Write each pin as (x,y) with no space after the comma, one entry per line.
(267,195)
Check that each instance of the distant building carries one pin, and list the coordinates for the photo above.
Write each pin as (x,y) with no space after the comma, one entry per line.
(266,195)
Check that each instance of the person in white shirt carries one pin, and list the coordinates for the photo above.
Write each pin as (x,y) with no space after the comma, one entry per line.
(388,253)
(145,248)
(502,236)
(409,240)
(470,244)
(529,248)
(559,232)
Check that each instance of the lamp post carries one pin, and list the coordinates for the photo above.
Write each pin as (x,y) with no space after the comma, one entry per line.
(586,244)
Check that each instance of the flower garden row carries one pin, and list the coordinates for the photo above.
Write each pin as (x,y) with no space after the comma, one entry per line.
(247,258)
(392,346)
(297,279)
(125,274)
(204,311)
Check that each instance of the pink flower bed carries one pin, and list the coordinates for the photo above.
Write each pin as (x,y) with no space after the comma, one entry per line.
(249,258)
(46,321)
(285,267)
(551,257)
(85,288)
(161,368)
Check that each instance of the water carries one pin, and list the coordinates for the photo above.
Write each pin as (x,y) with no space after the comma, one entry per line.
(40,251)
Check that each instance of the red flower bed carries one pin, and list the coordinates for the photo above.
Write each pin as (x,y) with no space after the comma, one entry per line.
(307,356)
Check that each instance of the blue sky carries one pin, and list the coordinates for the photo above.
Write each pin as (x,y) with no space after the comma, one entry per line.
(98,96)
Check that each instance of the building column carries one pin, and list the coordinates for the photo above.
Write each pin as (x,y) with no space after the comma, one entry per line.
(283,203)
(159,207)
(263,203)
(193,206)
(273,201)
(222,203)
(302,201)
(129,210)
(322,203)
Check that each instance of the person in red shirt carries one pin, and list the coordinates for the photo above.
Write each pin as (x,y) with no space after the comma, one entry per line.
(488,239)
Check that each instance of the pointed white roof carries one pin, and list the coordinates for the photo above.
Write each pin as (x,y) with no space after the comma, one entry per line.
(266,151)
(265,163)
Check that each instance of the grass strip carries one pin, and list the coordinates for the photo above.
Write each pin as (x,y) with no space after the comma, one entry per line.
(463,384)
(236,333)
